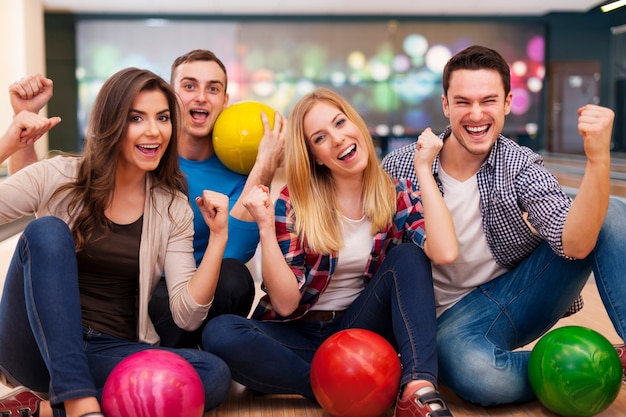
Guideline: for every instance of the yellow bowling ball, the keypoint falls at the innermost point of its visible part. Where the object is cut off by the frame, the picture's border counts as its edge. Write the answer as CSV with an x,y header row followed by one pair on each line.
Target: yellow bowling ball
x,y
237,133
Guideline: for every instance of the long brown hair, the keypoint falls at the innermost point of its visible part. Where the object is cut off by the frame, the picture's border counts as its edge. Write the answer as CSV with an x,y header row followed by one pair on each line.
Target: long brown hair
x,y
311,187
91,192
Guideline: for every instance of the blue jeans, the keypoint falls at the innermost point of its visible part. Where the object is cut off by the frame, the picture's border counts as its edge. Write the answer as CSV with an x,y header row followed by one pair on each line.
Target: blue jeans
x,y
275,357
476,337
44,345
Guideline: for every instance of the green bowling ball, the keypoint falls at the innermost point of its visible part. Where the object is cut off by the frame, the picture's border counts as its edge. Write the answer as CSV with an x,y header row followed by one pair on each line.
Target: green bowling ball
x,y
575,371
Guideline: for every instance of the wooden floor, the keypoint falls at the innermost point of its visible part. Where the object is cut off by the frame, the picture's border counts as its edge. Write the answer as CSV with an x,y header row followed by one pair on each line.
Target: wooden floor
x,y
242,403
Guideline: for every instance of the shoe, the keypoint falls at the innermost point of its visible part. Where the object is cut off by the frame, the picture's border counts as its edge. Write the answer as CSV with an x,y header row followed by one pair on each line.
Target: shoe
x,y
621,352
425,402
19,402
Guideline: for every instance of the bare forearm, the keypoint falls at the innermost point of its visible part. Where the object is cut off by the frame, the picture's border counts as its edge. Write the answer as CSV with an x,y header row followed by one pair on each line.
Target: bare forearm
x,y
204,282
22,158
441,244
278,278
261,174
588,210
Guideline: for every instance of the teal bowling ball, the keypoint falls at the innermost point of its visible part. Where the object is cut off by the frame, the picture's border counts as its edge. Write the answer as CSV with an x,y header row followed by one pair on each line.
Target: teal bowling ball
x,y
575,371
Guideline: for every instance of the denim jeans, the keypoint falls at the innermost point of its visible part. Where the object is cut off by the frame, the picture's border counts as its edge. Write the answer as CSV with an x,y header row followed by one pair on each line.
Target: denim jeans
x,y
275,357
234,295
44,345
477,337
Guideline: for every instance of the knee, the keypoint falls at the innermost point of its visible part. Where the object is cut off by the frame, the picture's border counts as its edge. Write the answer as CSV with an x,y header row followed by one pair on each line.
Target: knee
x,y
615,220
485,377
222,333
48,231
48,224
408,252
235,278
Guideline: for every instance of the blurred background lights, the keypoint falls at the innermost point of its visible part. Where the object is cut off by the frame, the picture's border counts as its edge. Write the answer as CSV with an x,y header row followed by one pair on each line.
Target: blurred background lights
x,y
521,101
575,81
401,63
416,85
263,83
536,48
436,58
415,45
534,84
379,70
532,128
382,130
356,60
304,87
398,130
519,68
338,78
393,76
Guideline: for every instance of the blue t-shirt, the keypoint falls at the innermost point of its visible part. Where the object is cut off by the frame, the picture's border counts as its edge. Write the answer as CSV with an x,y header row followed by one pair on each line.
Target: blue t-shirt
x,y
211,174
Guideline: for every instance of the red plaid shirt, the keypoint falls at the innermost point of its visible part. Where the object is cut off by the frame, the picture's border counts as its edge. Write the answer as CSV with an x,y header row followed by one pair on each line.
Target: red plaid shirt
x,y
313,271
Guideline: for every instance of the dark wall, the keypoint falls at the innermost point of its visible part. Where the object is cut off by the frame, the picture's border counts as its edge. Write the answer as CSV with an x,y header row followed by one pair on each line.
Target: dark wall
x,y
585,36
570,37
61,68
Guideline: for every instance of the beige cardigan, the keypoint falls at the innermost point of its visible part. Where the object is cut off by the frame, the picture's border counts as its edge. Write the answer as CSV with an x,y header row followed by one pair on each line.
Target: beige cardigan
x,y
165,248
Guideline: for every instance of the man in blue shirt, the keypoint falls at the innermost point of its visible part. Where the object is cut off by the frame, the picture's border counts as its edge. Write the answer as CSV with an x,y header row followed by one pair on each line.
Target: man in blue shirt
x,y
526,249
200,80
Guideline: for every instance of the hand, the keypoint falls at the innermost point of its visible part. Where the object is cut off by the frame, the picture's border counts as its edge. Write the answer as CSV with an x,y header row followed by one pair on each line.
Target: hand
x,y
26,128
272,145
259,204
595,125
214,209
428,147
30,93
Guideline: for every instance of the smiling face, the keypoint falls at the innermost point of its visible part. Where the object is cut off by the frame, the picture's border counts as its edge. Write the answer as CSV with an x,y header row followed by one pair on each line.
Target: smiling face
x,y
476,105
334,140
148,133
201,89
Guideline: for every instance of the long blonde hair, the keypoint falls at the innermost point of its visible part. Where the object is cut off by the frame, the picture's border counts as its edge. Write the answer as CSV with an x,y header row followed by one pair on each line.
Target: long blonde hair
x,y
311,187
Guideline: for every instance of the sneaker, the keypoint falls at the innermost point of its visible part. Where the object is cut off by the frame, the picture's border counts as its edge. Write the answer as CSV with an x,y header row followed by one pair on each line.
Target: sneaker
x,y
19,402
425,402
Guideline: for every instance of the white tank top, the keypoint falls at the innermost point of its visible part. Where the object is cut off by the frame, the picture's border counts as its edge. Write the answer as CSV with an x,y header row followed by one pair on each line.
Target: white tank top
x,y
475,265
347,281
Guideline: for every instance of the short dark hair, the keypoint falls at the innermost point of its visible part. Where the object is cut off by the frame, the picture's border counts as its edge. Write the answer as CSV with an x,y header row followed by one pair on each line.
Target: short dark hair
x,y
478,57
197,55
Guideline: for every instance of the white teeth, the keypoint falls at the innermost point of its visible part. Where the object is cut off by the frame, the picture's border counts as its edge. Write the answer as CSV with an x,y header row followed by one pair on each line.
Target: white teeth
x,y
476,129
347,151
149,146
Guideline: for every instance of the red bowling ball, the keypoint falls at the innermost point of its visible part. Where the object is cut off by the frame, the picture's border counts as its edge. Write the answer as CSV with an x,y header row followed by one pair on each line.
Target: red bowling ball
x,y
355,373
153,383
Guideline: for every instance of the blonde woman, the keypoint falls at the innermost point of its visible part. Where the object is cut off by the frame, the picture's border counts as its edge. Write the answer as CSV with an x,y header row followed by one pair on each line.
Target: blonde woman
x,y
334,258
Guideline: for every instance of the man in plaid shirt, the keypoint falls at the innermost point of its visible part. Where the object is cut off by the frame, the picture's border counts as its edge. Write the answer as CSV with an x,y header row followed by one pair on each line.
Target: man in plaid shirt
x,y
526,249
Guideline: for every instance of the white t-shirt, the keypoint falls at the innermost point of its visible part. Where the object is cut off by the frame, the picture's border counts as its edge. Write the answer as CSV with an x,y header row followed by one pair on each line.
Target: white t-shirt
x,y
347,280
475,264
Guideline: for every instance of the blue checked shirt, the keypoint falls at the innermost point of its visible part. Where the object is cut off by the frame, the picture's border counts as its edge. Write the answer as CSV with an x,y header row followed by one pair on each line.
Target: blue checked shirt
x,y
512,181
